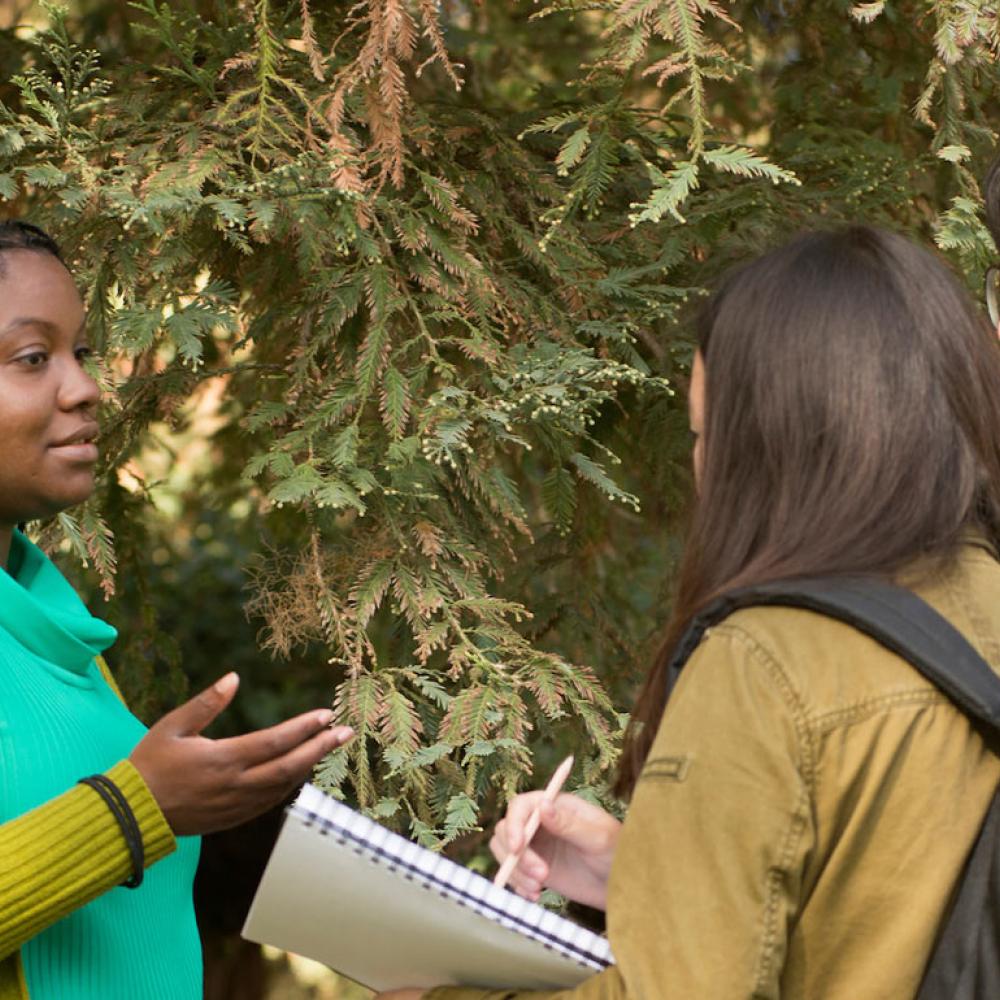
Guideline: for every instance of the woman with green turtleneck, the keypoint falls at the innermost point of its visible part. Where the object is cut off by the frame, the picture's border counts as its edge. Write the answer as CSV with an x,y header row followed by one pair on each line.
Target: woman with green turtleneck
x,y
95,877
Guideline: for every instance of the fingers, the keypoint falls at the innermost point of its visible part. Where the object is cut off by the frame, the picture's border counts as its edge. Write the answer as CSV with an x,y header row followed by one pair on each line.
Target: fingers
x,y
556,819
526,888
530,866
194,715
293,767
204,785
257,789
527,885
519,814
269,744
532,871
585,827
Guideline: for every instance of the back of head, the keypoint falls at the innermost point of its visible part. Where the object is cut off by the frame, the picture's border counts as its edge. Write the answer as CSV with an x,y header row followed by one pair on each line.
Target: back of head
x,y
853,412
852,425
991,201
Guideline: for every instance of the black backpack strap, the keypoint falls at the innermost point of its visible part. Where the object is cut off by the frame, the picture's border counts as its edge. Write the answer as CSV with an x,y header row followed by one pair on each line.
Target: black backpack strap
x,y
891,615
965,962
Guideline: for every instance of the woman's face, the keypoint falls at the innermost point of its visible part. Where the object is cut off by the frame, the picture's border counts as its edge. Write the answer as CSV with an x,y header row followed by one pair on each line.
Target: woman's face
x,y
48,402
696,415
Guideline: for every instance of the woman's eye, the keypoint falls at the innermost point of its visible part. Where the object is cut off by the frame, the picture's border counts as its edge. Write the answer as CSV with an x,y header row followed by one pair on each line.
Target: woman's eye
x,y
82,353
33,360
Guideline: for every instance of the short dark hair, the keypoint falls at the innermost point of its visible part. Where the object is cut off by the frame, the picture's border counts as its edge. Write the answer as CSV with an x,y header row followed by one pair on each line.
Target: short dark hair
x,y
991,201
18,235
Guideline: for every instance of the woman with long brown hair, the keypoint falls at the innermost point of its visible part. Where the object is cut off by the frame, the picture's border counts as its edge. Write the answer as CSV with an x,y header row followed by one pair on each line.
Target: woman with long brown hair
x,y
802,806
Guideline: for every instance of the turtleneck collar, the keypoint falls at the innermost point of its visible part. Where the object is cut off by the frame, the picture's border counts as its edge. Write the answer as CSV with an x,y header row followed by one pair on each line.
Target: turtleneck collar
x,y
41,610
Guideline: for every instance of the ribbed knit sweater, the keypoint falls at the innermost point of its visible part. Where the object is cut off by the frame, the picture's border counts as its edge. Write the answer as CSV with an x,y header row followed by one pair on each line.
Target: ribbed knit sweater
x,y
68,930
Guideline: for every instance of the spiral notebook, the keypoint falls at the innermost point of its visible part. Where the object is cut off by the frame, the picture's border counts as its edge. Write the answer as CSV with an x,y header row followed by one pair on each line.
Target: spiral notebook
x,y
381,910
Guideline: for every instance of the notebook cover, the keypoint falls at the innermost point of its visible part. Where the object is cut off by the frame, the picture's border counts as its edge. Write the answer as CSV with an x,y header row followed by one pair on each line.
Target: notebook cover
x,y
323,899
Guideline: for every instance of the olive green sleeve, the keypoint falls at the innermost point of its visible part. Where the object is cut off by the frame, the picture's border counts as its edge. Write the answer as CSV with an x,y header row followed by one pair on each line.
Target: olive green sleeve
x,y
707,873
63,854
110,678
709,870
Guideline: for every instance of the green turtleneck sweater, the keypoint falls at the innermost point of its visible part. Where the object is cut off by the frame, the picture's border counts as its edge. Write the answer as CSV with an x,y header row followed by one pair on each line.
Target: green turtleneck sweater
x,y
68,930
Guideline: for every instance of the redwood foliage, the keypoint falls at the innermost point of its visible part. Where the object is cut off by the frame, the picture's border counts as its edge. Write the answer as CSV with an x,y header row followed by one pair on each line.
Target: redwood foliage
x,y
427,266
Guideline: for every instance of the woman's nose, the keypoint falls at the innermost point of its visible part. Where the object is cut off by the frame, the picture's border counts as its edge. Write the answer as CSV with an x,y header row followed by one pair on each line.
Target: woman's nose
x,y
78,388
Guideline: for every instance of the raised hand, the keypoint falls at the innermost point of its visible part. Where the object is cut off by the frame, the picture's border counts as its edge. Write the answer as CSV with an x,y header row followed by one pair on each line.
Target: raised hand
x,y
571,852
203,785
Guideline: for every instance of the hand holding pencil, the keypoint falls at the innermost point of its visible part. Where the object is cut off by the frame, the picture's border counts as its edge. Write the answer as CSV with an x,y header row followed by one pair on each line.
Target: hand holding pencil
x,y
552,789
550,839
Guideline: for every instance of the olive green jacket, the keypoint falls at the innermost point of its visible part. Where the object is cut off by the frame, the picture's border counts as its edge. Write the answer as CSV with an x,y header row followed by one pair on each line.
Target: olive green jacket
x,y
803,816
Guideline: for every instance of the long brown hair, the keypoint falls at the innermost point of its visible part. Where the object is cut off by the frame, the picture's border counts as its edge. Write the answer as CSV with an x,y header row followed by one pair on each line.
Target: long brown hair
x,y
991,201
852,425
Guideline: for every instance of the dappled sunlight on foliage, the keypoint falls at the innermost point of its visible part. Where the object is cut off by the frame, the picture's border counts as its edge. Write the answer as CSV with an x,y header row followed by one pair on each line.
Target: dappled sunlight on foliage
x,y
437,262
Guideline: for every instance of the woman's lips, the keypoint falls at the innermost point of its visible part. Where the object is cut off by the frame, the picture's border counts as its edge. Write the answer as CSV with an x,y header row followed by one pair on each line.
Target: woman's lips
x,y
79,447
81,451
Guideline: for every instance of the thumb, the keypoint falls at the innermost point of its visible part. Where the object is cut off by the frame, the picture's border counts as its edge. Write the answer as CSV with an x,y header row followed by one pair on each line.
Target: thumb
x,y
553,819
563,822
194,715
